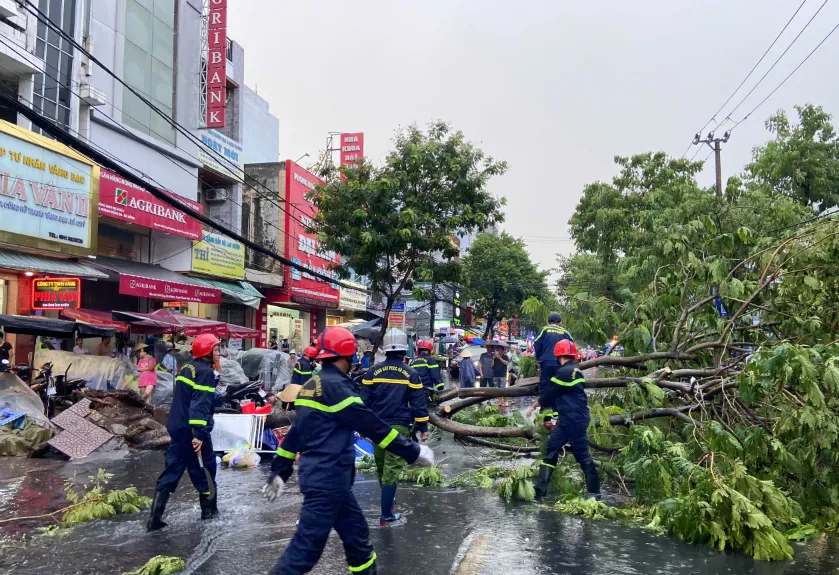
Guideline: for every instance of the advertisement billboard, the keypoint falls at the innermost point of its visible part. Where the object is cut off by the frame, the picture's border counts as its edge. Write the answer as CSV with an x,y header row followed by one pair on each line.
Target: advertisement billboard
x,y
355,300
168,290
217,144
352,148
302,247
216,63
122,200
49,194
56,293
218,255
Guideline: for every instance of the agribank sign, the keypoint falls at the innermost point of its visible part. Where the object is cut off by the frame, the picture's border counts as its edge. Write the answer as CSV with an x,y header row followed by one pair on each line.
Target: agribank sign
x,y
48,194
216,63
122,200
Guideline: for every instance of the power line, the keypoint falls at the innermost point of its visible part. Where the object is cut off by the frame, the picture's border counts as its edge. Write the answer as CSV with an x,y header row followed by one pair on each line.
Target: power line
x,y
178,127
784,81
714,116
778,60
117,125
65,138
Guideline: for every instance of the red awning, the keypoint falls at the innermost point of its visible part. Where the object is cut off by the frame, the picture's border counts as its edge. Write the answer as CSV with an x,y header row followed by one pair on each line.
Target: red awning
x,y
95,317
239,332
164,318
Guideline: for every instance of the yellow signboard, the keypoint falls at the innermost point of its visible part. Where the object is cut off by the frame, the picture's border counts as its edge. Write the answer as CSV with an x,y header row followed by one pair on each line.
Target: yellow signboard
x,y
218,255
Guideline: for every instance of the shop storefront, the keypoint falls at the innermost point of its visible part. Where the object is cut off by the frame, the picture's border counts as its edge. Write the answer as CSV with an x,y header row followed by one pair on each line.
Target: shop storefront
x,y
48,209
352,305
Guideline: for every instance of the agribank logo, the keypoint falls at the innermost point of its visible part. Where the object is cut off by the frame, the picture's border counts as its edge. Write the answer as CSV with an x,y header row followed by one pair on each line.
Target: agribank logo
x,y
122,197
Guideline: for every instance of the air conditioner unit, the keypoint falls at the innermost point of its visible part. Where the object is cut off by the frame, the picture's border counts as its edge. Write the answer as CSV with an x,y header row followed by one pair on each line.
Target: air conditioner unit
x,y
215,195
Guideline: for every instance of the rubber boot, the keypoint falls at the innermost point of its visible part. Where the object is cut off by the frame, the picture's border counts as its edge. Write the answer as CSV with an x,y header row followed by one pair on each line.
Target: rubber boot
x,y
389,515
214,508
592,482
371,570
545,472
158,506
206,505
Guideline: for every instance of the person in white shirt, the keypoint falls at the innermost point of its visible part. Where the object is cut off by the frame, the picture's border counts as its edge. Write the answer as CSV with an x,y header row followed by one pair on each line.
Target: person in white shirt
x,y
80,349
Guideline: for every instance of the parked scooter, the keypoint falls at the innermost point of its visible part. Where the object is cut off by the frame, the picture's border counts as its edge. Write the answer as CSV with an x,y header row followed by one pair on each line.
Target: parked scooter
x,y
55,390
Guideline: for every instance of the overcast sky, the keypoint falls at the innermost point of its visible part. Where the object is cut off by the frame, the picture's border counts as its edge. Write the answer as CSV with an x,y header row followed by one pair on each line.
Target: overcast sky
x,y
555,88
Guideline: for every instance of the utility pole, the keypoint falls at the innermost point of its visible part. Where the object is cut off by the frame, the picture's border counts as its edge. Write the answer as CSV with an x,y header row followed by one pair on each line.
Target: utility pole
x,y
433,309
714,144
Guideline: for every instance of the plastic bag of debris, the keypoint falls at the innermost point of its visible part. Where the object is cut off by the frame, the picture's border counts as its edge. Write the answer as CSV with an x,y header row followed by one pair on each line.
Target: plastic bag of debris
x,y
16,396
231,374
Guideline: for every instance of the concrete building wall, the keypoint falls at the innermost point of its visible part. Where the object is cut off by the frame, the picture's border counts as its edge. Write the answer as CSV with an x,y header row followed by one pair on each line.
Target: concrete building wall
x,y
262,129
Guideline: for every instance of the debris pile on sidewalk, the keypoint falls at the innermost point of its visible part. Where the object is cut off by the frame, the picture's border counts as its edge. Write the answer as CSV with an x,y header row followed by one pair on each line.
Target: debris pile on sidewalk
x,y
124,414
23,426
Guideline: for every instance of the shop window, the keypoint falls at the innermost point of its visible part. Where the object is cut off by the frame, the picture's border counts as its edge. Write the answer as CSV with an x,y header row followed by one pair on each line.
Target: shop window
x,y
149,66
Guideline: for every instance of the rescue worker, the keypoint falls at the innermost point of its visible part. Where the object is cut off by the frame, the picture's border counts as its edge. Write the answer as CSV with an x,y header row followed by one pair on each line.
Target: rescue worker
x,y
394,392
544,345
566,396
302,372
190,425
428,368
328,411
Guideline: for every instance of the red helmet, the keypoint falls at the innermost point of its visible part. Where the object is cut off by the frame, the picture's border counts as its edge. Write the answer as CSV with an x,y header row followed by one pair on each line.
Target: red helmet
x,y
336,342
565,347
310,352
426,344
203,345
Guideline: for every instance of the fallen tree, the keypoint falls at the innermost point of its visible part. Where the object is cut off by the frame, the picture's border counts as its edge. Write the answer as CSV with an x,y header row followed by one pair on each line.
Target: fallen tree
x,y
723,411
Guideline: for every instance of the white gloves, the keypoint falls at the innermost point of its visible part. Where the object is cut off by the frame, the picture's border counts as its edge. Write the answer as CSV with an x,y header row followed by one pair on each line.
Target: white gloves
x,y
426,457
274,488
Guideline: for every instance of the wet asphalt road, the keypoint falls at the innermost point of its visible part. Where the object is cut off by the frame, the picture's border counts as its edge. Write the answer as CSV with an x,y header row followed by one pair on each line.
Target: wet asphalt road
x,y
448,531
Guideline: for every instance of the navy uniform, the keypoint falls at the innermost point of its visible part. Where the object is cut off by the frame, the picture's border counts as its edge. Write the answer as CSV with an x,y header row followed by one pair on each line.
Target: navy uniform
x,y
394,392
543,348
328,411
566,396
190,417
428,369
302,371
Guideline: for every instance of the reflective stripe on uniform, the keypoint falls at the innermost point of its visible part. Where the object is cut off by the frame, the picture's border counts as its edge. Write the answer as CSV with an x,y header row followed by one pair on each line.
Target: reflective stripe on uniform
x,y
197,422
388,439
386,380
558,330
287,454
416,365
363,567
302,372
440,385
194,385
327,408
547,465
567,383
436,366
421,419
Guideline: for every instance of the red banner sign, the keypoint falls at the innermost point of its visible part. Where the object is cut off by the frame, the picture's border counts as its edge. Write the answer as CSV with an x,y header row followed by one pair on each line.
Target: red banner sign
x,y
217,64
302,247
162,289
56,293
352,148
122,200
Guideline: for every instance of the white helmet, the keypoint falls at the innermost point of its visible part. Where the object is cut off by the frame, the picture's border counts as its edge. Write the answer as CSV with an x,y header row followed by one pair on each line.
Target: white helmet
x,y
395,340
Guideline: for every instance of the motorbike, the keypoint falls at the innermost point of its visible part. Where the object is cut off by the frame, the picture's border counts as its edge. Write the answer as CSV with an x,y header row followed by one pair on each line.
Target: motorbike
x,y
230,401
55,390
21,370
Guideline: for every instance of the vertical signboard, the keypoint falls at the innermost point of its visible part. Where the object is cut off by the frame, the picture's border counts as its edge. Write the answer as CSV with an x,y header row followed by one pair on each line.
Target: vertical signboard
x,y
216,63
352,148
302,247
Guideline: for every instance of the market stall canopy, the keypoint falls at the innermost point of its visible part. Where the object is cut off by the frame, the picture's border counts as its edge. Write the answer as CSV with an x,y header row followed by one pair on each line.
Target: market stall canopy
x,y
52,266
146,280
167,320
37,325
95,317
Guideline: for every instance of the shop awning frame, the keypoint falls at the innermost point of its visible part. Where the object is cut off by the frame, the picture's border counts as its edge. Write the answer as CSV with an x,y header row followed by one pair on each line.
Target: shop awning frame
x,y
164,320
95,317
46,265
160,282
47,327
241,291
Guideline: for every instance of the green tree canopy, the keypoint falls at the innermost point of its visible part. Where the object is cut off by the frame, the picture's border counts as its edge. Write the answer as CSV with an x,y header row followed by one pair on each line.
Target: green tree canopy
x,y
395,223
498,276
802,162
